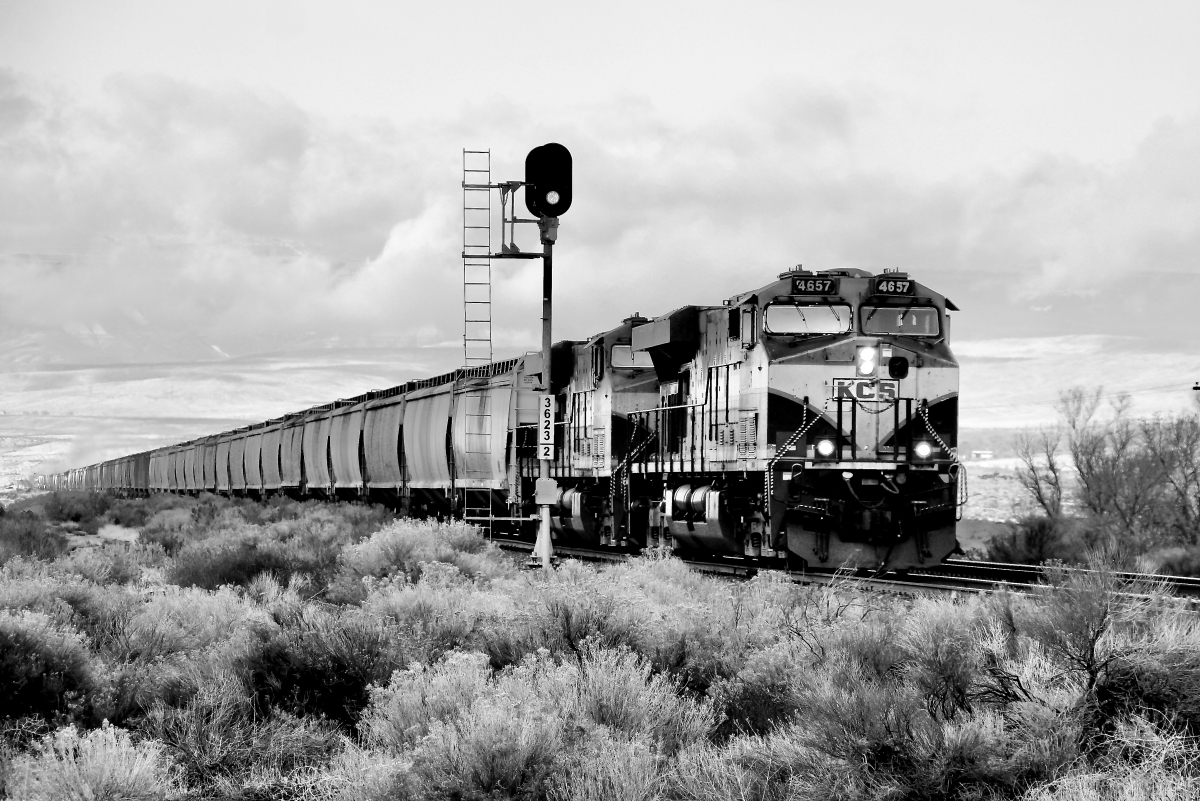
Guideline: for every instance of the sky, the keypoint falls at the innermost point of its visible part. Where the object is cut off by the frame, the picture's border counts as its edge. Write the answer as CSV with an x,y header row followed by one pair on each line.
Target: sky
x,y
191,182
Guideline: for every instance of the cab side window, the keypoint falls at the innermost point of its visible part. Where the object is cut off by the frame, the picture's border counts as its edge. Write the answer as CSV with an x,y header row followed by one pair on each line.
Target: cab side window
x,y
746,326
597,362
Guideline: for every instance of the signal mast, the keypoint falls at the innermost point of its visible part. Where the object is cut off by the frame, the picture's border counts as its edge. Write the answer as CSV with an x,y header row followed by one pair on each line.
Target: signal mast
x,y
547,187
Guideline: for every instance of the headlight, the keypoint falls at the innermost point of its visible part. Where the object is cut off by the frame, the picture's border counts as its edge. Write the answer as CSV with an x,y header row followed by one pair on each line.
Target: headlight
x,y
825,448
922,450
868,360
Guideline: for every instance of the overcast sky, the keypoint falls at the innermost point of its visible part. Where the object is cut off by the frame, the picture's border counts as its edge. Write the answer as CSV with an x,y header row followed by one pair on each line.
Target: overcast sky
x,y
249,176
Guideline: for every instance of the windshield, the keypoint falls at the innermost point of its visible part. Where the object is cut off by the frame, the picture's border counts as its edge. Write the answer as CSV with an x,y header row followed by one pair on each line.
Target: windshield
x,y
910,321
625,356
788,319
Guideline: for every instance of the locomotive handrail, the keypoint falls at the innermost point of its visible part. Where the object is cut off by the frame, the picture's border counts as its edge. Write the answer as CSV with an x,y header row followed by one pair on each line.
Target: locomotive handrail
x,y
667,408
663,455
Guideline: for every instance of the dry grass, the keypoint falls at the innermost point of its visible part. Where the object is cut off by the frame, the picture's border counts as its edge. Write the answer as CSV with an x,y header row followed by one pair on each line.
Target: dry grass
x,y
101,765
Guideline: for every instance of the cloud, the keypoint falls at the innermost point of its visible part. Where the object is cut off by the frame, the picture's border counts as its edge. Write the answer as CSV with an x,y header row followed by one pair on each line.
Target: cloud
x,y
198,221
1067,226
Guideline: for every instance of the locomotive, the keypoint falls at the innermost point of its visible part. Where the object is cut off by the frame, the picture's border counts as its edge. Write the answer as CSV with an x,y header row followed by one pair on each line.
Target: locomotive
x,y
811,422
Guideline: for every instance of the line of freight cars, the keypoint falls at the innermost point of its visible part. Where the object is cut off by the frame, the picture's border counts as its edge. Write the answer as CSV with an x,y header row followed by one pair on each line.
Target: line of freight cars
x,y
813,419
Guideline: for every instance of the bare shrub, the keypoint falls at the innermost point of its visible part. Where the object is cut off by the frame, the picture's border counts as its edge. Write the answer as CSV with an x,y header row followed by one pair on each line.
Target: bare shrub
x,y
1040,743
575,614
83,508
938,639
1180,560
472,733
129,513
218,740
210,734
321,663
45,668
232,559
101,765
1073,618
607,768
223,547
685,624
358,774
284,744
706,773
179,621
406,546
760,697
1034,540
617,690
25,534
1144,761
498,748
863,724
444,610
404,711
29,585
168,528
110,563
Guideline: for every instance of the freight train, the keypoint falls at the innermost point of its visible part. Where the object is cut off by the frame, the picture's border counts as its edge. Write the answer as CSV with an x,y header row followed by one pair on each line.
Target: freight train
x,y
811,422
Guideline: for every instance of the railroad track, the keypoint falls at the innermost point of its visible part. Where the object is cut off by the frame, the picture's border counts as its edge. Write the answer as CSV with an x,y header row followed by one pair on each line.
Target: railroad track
x,y
953,575
1183,586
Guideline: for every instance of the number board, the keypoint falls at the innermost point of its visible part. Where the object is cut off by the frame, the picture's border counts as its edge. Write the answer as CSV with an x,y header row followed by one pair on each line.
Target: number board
x,y
894,286
546,427
814,286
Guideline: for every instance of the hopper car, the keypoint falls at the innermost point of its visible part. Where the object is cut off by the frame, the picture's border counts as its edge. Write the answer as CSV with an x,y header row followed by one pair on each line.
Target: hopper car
x,y
811,422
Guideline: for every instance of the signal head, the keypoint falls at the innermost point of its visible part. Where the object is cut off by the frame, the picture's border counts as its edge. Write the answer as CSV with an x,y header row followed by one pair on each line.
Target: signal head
x,y
548,180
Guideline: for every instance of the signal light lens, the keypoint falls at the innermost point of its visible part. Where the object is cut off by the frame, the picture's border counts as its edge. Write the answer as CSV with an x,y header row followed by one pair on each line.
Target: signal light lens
x,y
868,360
552,198
922,450
825,448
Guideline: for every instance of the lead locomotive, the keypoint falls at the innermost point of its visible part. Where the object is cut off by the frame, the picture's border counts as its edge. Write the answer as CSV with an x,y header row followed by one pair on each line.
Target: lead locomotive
x,y
813,420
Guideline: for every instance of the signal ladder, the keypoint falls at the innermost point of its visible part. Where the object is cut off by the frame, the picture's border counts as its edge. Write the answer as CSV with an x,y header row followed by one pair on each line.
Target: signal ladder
x,y
477,257
477,418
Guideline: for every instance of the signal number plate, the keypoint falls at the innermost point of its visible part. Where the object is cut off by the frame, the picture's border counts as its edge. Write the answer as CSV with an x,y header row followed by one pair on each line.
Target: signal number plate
x,y
866,389
814,286
893,286
546,427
